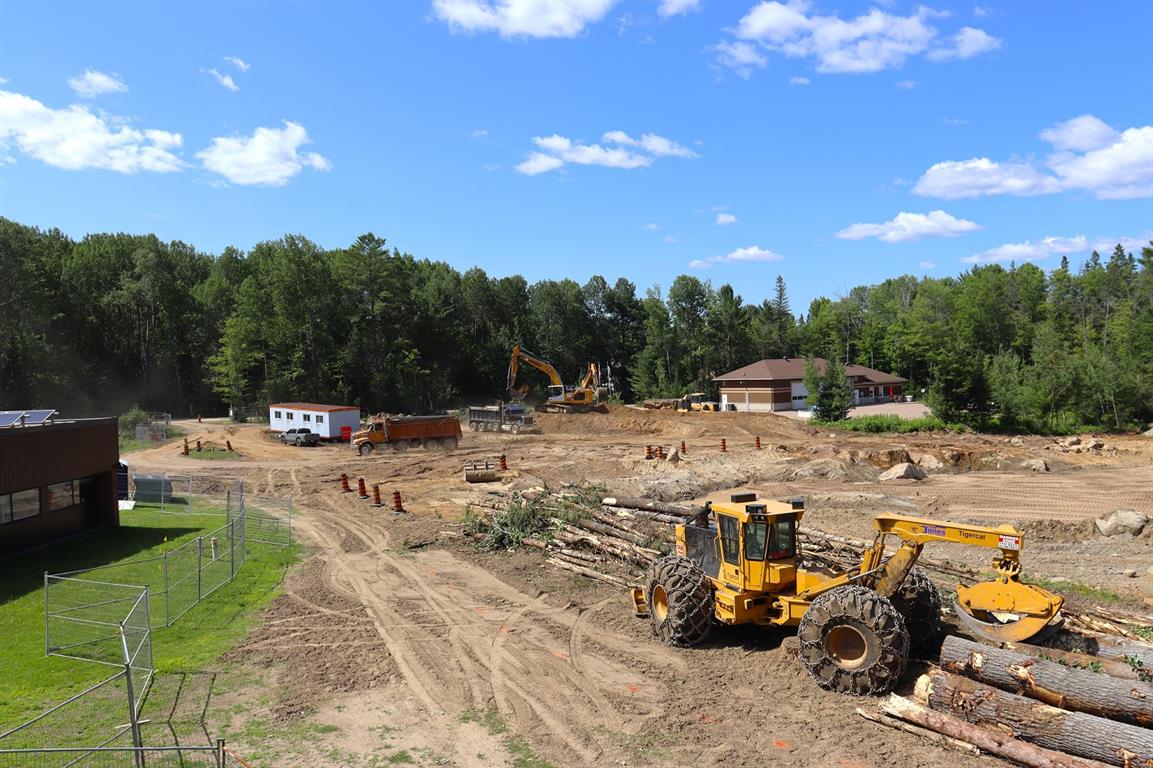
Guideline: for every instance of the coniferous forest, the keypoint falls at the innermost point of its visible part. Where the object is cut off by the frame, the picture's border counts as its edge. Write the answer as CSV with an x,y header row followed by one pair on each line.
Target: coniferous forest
x,y
97,325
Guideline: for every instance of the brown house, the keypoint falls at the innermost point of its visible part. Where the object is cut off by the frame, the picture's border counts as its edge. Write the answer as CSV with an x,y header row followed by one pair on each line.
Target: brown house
x,y
779,385
57,479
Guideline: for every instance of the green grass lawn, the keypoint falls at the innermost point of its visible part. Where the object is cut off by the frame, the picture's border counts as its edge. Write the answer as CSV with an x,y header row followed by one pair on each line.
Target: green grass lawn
x,y
212,454
32,682
128,444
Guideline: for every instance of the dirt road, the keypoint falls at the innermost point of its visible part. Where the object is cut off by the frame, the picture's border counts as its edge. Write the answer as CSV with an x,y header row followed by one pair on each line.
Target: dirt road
x,y
396,637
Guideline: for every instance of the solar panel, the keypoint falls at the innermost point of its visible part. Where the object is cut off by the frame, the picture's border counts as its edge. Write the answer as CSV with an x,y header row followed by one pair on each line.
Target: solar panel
x,y
8,418
38,417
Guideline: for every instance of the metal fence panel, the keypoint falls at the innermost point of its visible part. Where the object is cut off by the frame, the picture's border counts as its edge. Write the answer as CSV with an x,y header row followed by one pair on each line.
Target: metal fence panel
x,y
116,757
82,617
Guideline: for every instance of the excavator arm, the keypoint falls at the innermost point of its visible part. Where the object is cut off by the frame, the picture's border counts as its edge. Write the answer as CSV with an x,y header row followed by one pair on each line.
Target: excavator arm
x,y
523,356
1003,609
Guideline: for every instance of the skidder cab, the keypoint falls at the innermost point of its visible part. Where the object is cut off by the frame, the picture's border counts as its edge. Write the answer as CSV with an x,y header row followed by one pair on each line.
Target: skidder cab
x,y
738,563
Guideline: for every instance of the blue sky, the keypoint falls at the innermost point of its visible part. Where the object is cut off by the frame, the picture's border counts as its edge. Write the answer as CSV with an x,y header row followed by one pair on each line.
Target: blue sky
x,y
833,143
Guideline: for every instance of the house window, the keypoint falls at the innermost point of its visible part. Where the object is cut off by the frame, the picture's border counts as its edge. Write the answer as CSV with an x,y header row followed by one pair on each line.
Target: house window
x,y
276,414
62,495
19,505
307,417
319,419
288,416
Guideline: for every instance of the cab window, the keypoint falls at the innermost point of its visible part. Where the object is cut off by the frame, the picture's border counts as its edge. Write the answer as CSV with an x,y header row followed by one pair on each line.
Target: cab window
x,y
756,535
783,539
730,539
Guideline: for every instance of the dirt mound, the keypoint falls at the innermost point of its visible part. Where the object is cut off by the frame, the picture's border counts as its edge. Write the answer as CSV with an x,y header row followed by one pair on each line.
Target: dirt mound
x,y
832,470
664,423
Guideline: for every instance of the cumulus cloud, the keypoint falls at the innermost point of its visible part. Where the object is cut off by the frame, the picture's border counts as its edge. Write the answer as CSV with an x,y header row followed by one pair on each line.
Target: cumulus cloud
x,y
1091,156
556,151
871,42
225,80
906,85
724,219
739,56
669,8
752,253
799,81
93,83
910,227
239,63
521,18
269,157
928,265
966,44
651,227
1030,251
75,138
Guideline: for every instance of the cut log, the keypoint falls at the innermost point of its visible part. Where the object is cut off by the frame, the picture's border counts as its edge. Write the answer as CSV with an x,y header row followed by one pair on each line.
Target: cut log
x,y
1111,667
937,738
1108,647
992,740
608,530
589,572
659,517
1075,733
1079,690
652,506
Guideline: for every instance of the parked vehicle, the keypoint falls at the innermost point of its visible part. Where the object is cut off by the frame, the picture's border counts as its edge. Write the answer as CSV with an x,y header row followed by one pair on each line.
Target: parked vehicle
x,y
510,417
300,436
403,432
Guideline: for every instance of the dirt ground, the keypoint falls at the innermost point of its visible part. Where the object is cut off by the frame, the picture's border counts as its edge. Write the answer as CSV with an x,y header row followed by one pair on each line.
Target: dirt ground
x,y
396,642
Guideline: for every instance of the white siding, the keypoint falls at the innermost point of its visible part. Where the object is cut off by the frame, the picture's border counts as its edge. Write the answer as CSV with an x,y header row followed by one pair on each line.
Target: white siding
x,y
328,428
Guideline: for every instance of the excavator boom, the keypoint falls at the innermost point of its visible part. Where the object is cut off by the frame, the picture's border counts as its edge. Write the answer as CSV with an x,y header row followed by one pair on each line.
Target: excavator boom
x,y
582,397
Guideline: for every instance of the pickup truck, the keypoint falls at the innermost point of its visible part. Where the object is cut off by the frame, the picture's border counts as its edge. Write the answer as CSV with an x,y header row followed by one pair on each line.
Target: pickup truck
x,y
300,436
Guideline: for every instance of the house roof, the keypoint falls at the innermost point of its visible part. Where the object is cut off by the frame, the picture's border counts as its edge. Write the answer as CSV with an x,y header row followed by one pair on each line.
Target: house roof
x,y
793,369
313,407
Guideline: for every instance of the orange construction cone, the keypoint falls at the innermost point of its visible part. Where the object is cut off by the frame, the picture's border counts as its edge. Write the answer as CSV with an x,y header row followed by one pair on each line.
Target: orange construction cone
x,y
723,446
757,443
344,484
683,449
361,489
503,463
376,495
397,505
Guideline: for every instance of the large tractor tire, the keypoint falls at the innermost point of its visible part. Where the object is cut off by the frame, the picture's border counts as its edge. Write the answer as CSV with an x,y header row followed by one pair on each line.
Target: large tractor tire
x,y
680,600
364,449
854,641
919,602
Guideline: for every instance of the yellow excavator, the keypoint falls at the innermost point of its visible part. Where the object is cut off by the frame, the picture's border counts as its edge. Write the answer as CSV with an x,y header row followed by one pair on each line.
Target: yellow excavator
x,y
738,563
562,398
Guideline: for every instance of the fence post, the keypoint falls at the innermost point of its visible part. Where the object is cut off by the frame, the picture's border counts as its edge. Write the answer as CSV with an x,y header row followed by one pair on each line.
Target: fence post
x,y
188,506
136,740
232,541
47,639
220,753
290,522
167,609
199,562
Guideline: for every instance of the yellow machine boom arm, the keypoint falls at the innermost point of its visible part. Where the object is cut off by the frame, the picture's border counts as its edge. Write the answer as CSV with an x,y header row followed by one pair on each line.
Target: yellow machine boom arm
x,y
520,355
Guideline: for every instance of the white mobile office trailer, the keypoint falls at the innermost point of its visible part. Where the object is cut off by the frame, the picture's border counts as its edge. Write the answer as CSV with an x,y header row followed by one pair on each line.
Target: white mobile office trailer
x,y
331,422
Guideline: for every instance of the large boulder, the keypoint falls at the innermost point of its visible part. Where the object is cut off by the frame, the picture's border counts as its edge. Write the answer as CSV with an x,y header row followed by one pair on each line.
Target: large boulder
x,y
1122,521
902,471
926,461
1035,465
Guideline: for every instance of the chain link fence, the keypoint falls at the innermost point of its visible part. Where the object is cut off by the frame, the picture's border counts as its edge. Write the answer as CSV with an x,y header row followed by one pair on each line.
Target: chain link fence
x,y
120,757
188,494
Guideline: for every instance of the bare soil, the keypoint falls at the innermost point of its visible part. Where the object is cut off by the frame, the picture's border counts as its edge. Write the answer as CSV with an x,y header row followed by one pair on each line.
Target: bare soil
x,y
395,636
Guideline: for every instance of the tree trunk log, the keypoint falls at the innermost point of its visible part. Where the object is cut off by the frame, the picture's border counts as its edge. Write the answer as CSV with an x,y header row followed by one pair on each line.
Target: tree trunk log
x,y
995,741
1079,690
644,514
1105,647
1075,733
652,506
589,572
937,738
1111,667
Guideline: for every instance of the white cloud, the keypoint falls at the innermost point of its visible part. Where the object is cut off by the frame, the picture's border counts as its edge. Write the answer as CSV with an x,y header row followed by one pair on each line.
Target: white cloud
x,y
799,81
522,18
669,239
268,157
906,85
1030,251
966,44
555,152
651,227
479,133
676,7
872,42
1081,134
75,138
928,265
224,80
656,145
954,121
1091,156
752,253
980,11
910,227
93,83
3,81
740,57
724,219
239,63
490,167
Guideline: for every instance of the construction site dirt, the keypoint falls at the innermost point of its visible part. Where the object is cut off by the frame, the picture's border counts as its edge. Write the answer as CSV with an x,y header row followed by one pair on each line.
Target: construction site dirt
x,y
395,635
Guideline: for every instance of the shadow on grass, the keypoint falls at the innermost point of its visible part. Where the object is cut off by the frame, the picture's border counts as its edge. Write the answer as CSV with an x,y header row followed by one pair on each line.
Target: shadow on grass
x,y
24,573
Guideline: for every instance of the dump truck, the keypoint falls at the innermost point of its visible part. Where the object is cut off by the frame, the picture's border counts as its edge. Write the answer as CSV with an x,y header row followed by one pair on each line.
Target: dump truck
x,y
739,563
508,417
403,432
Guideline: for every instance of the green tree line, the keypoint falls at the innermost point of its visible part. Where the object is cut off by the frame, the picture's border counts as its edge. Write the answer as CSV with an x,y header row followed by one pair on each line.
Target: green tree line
x,y
113,320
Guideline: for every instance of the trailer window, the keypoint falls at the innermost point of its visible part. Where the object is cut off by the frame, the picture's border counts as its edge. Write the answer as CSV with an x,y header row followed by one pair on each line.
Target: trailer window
x,y
308,417
319,418
730,539
782,539
276,414
755,536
